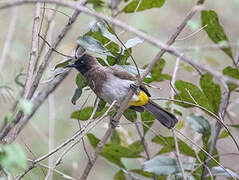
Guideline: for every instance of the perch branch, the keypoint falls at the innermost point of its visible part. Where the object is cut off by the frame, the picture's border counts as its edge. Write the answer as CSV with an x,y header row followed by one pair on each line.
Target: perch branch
x,y
126,100
153,40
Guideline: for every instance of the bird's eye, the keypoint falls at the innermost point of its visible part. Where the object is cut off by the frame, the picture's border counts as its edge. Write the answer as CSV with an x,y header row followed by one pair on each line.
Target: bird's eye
x,y
81,62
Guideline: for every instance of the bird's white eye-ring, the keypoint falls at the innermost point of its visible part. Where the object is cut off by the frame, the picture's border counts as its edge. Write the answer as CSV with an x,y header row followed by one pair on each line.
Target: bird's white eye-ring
x,y
82,62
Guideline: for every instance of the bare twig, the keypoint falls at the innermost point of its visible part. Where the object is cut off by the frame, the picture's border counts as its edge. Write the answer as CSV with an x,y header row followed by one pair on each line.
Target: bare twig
x,y
56,171
128,97
9,36
84,129
218,119
191,141
222,112
51,135
48,44
19,117
184,38
34,50
174,135
37,101
136,9
76,142
139,33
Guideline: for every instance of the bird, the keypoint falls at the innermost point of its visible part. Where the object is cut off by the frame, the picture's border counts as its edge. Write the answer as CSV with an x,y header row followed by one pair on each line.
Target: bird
x,y
112,83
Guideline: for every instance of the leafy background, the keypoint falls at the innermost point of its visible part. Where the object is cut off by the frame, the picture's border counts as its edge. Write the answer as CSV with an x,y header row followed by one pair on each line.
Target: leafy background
x,y
155,22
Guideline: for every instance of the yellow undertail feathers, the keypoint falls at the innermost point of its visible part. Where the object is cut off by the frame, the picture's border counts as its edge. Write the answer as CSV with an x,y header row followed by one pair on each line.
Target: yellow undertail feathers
x,y
143,99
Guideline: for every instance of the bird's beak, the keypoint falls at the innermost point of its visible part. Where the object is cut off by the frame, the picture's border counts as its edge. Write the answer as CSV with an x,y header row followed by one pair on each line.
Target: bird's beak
x,y
71,65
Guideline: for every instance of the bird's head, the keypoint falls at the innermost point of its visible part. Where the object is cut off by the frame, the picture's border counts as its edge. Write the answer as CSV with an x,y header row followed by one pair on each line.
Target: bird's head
x,y
83,63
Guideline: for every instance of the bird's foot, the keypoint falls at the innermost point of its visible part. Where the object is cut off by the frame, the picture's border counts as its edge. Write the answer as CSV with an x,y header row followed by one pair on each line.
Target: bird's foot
x,y
113,122
134,87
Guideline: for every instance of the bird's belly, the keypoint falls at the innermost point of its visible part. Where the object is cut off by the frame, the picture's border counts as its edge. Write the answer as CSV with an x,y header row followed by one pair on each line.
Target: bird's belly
x,y
116,89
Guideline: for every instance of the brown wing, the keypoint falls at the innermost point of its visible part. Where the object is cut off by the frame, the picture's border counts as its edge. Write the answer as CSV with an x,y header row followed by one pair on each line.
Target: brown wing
x,y
123,74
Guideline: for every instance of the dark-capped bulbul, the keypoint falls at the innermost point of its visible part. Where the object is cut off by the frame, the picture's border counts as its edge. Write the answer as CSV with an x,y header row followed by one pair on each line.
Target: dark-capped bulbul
x,y
113,83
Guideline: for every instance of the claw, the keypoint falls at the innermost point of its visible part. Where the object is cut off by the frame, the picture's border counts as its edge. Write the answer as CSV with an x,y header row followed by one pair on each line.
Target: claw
x,y
134,86
113,122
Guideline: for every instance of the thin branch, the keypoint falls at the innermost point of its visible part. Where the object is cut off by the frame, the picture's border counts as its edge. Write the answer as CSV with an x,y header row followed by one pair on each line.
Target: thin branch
x,y
222,112
191,141
84,129
19,117
153,40
128,97
70,147
48,44
56,171
51,135
194,33
136,9
173,132
34,49
218,119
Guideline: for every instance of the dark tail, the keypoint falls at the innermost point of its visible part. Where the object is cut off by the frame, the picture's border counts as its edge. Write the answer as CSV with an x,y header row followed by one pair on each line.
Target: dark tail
x,y
165,117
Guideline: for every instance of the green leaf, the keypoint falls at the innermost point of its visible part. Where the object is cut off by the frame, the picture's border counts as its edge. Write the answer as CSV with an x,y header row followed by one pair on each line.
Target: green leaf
x,y
234,125
145,4
102,61
101,105
133,70
93,140
194,91
133,42
81,83
148,174
169,145
113,152
63,64
156,73
223,134
119,58
115,138
179,125
111,46
119,175
137,147
26,106
80,79
83,114
105,32
211,90
89,43
232,72
201,125
214,29
130,115
77,95
219,171
148,119
203,156
163,165
12,156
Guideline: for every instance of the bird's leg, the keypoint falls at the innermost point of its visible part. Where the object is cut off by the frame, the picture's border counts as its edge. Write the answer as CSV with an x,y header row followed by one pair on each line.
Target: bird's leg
x,y
113,122
135,88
